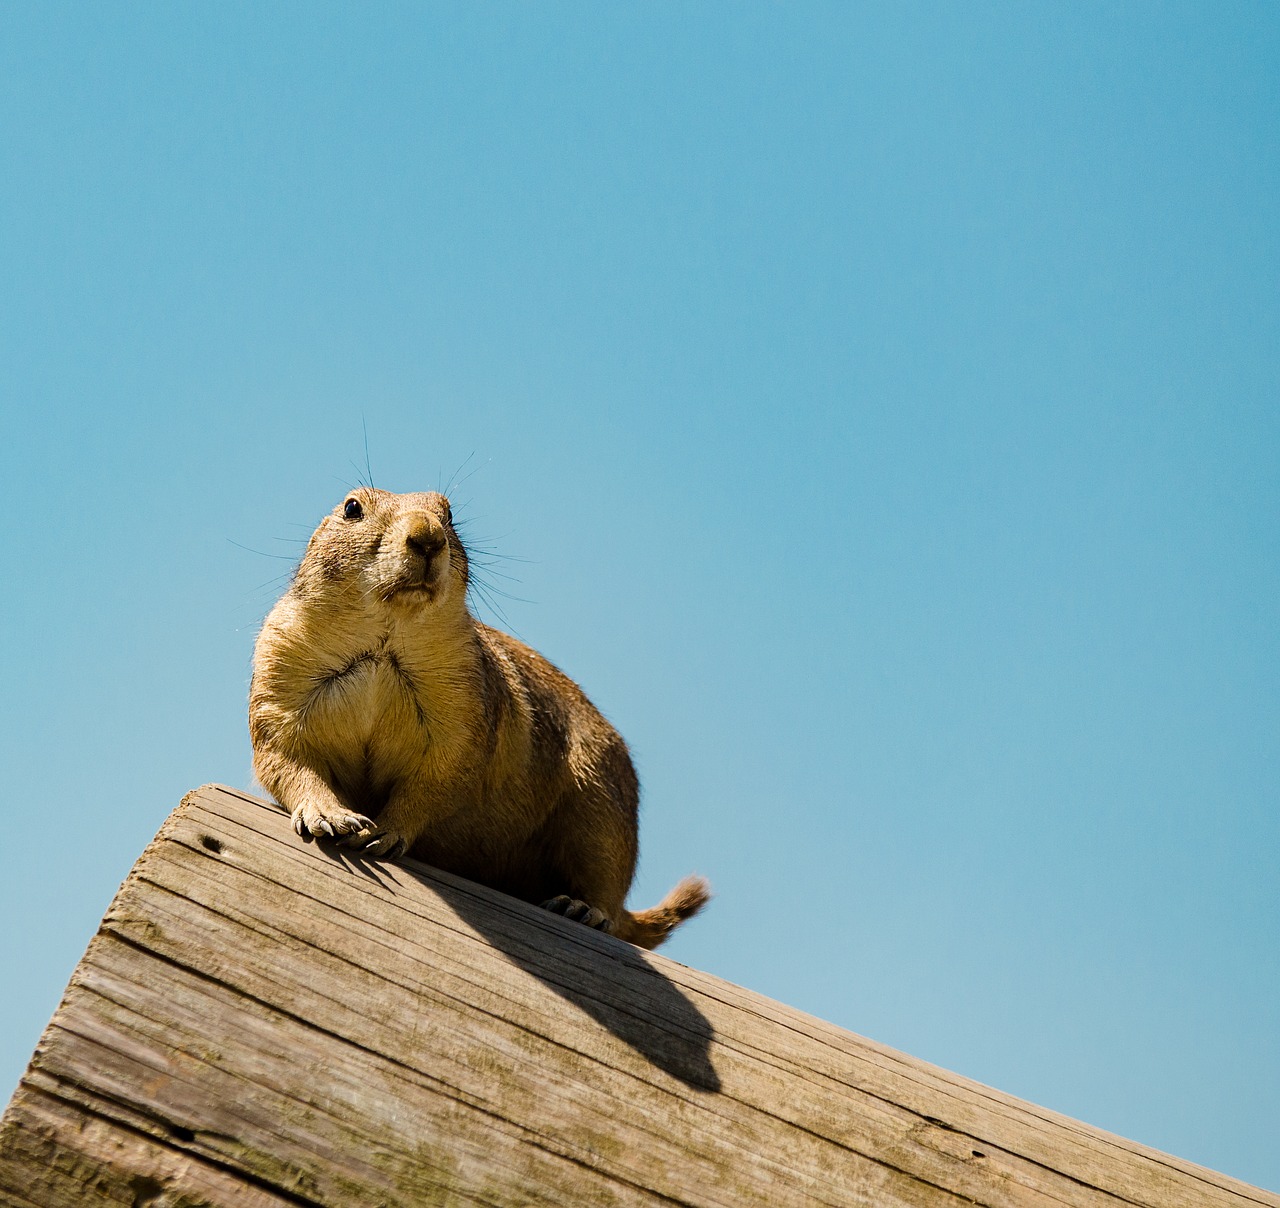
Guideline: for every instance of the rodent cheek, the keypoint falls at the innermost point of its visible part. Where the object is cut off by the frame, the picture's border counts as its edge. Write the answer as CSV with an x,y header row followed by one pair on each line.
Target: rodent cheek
x,y
439,572
385,566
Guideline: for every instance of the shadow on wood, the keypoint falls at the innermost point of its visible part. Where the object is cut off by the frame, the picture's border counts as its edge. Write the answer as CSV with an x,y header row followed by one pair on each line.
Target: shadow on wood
x,y
643,1008
260,1022
640,1005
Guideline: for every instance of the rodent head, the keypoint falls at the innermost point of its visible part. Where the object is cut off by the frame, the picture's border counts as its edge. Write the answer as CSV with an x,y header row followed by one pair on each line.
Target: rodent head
x,y
399,549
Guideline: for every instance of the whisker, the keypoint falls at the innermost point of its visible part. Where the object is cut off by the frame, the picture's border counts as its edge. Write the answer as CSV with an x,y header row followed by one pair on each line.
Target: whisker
x,y
467,478
488,570
448,490
368,466
493,606
491,551
456,483
261,552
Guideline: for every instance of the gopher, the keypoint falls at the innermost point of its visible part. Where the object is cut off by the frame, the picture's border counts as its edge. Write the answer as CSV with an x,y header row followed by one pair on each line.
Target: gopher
x,y
387,718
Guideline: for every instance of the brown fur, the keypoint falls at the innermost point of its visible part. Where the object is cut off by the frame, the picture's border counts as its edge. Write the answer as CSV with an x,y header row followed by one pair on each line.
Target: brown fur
x,y
385,716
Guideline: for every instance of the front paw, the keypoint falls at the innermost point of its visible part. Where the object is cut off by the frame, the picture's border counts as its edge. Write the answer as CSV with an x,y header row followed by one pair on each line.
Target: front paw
x,y
376,843
310,820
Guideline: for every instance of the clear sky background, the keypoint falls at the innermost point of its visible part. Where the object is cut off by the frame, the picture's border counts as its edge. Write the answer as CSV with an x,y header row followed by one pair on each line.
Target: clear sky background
x,y
877,405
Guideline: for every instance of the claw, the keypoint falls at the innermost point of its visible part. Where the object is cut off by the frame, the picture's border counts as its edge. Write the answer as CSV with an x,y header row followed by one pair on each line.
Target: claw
x,y
578,912
384,847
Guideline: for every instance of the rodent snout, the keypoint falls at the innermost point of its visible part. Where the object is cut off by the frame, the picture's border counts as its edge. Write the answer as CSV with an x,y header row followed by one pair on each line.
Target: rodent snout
x,y
425,536
412,559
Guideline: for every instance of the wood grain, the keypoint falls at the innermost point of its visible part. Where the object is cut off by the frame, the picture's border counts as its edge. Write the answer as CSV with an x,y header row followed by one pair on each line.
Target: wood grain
x,y
260,1021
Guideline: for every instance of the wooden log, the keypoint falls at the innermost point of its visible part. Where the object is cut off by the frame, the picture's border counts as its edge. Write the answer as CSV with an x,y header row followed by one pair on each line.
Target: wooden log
x,y
264,1021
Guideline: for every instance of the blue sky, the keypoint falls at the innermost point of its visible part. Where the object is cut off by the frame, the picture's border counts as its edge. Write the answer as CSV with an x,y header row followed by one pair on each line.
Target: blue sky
x,y
875,407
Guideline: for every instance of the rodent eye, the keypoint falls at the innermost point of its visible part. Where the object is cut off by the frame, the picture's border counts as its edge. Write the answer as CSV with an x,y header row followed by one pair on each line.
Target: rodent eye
x,y
352,509
448,513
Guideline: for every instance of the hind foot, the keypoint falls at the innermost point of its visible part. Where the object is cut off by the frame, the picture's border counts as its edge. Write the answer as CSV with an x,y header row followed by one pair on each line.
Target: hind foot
x,y
580,912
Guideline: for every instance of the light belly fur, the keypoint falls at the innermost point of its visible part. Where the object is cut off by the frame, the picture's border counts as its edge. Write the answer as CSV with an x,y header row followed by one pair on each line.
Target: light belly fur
x,y
363,721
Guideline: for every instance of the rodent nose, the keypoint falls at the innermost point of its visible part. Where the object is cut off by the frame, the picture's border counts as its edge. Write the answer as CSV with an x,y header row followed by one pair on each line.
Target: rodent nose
x,y
425,537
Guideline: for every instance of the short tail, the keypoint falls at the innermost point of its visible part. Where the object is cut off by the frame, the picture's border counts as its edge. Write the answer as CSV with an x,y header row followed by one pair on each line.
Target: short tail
x,y
648,928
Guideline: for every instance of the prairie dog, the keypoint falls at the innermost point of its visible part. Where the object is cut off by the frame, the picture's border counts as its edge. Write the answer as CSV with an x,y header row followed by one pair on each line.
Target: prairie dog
x,y
386,717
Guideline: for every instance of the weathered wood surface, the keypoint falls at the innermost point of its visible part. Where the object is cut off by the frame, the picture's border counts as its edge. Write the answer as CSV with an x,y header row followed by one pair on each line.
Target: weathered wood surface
x,y
260,1022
